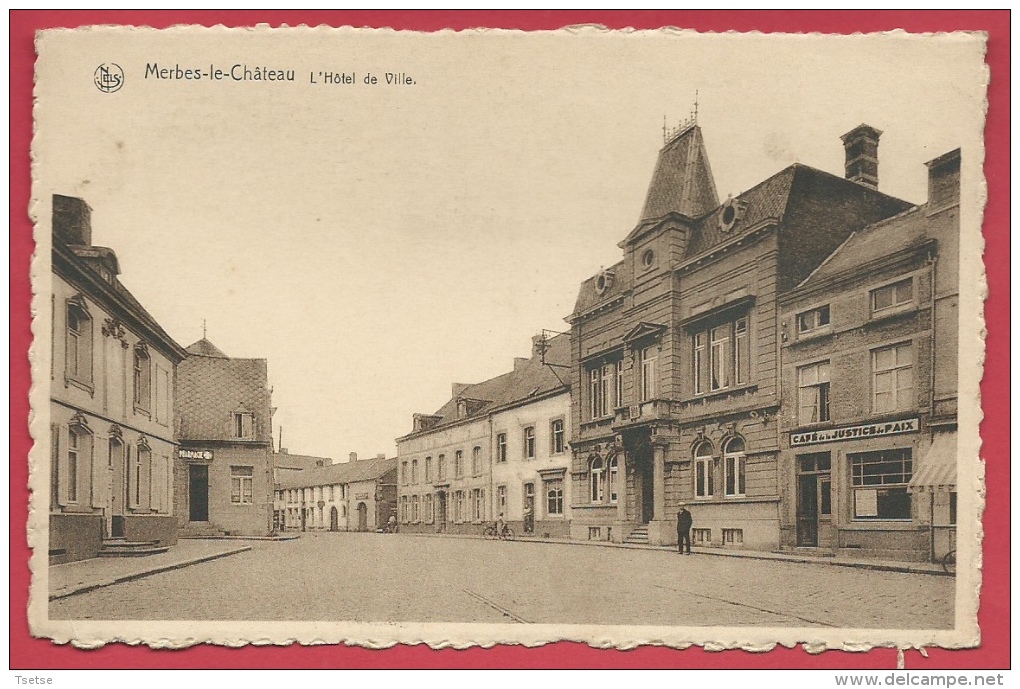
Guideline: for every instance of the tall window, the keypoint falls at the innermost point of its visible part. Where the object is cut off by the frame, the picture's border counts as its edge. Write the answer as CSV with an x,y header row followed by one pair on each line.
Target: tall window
x,y
73,465
78,346
597,481
458,463
721,357
892,296
426,508
442,467
501,447
618,385
892,378
612,474
880,484
241,485
477,504
476,461
460,511
704,485
554,496
428,470
598,391
529,442
405,473
414,471
243,426
813,382
649,357
414,509
734,467
142,378
556,433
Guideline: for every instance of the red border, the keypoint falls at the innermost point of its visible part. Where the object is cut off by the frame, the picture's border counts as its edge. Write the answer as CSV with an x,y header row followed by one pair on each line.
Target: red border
x,y
29,653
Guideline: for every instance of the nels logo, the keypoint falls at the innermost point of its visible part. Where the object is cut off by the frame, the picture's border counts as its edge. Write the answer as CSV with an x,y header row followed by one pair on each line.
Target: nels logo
x,y
108,77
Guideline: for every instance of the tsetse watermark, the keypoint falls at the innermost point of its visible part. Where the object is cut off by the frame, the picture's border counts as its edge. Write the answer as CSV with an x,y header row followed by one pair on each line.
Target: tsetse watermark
x,y
915,680
32,679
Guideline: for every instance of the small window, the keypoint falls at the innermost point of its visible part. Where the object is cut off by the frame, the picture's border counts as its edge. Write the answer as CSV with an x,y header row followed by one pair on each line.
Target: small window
x,y
813,319
556,432
529,442
733,536
648,258
594,533
241,485
701,536
244,426
892,296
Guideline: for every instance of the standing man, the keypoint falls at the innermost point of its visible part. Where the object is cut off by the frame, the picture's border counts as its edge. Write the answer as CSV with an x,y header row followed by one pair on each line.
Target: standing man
x,y
683,529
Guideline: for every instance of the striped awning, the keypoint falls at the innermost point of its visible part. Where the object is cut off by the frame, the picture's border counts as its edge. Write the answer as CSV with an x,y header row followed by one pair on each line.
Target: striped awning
x,y
938,469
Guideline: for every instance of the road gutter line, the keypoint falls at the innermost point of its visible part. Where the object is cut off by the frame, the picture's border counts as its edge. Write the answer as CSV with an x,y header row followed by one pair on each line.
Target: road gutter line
x,y
745,605
497,607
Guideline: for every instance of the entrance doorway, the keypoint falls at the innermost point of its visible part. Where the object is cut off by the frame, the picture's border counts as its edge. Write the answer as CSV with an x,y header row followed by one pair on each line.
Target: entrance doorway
x,y
814,500
118,490
362,517
441,511
334,519
198,492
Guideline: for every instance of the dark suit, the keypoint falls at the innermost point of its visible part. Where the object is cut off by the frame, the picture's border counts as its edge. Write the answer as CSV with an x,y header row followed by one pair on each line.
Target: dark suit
x,y
683,529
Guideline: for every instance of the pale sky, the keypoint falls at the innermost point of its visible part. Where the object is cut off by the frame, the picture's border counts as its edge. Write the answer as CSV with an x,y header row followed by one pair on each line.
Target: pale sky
x,y
377,243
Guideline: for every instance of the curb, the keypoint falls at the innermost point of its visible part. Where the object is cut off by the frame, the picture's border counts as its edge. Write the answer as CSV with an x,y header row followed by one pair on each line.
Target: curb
x,y
86,588
906,568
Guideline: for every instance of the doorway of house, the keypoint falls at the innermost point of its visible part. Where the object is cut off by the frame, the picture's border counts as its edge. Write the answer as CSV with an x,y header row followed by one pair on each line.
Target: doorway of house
x,y
441,511
334,519
362,517
198,492
814,500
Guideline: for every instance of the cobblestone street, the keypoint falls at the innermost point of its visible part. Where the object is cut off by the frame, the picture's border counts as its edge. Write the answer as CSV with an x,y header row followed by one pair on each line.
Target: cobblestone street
x,y
372,577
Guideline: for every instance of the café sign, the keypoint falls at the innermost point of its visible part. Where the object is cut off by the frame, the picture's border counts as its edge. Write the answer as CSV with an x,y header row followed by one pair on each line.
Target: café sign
x,y
863,431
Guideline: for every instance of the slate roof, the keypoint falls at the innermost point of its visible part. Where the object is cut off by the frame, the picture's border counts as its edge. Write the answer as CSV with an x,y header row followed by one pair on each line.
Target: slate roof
x,y
903,231
682,182
347,472
211,388
588,297
287,460
206,348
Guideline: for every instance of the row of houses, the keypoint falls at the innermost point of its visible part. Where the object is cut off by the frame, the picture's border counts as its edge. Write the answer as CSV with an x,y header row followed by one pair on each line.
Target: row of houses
x,y
784,362
150,441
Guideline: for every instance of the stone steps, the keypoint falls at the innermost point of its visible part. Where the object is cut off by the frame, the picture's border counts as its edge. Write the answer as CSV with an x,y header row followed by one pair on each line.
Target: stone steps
x,y
119,547
639,536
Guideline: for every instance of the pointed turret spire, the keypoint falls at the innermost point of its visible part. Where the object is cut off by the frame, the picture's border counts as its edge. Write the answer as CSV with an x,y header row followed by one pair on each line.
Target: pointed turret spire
x,y
682,182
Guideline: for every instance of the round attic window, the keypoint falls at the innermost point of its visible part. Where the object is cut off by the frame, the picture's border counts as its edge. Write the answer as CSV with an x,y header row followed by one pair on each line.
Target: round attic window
x,y
731,212
648,258
603,281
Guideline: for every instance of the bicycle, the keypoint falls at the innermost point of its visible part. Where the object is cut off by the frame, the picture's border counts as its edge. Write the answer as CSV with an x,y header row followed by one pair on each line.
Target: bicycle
x,y
949,562
491,532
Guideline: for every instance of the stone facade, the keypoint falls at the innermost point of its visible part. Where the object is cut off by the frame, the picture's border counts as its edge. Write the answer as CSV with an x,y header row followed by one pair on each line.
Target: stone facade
x,y
359,495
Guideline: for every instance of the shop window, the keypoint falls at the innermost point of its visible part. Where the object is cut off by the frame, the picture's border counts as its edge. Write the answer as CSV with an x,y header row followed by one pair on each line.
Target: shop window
x,y
142,378
241,485
815,319
529,442
476,461
701,536
243,425
890,297
556,433
721,357
501,447
649,362
596,470
704,484
733,536
554,496
813,382
78,343
892,378
879,482
734,467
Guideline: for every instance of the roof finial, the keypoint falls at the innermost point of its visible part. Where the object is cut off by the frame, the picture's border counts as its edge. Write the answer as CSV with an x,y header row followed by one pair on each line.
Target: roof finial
x,y
695,106
665,135
203,328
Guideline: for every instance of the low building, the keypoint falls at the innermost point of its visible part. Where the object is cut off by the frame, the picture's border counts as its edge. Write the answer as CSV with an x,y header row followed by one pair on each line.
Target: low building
x,y
358,495
224,468
869,357
499,447
111,403
285,464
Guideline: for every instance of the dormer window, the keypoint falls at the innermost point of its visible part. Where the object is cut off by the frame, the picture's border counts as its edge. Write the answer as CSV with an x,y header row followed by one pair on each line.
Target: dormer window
x,y
603,281
243,427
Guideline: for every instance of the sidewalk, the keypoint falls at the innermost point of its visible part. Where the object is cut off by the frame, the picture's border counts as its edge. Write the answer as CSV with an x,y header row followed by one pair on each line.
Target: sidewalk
x,y
87,575
859,563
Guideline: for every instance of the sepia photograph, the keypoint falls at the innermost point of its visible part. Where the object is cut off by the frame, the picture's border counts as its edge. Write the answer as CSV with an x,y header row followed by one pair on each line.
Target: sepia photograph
x,y
368,336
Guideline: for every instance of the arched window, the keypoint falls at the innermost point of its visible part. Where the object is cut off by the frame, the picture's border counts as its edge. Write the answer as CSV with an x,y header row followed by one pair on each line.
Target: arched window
x,y
734,463
476,461
612,474
704,485
78,347
597,469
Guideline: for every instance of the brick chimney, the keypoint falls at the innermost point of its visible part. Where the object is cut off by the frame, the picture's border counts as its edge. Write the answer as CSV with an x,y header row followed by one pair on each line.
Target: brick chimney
x,y
861,144
353,456
944,180
72,220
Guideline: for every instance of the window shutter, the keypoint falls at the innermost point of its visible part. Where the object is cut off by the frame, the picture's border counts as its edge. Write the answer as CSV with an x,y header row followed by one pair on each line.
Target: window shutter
x,y
59,466
100,475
